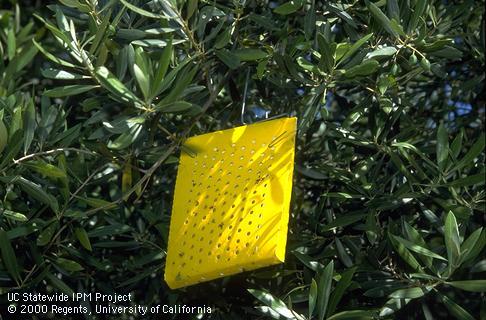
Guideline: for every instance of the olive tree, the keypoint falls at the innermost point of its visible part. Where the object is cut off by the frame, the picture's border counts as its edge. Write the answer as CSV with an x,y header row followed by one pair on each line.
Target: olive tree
x,y
97,98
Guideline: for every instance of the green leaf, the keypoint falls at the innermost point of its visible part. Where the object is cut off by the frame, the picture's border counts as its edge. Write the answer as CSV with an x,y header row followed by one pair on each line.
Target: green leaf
x,y
127,176
175,107
183,82
141,275
23,230
306,65
367,67
312,297
61,285
228,58
310,21
29,124
83,238
452,241
354,315
448,52
342,254
101,33
169,79
355,47
418,11
109,230
8,256
338,292
416,248
455,309
343,221
289,7
324,290
404,254
111,83
473,245
142,80
46,169
36,192
52,57
3,136
98,203
442,149
393,305
223,39
397,27
410,293
163,65
274,303
69,90
381,18
11,44
456,145
381,52
69,265
141,11
13,215
46,235
469,285
61,74
475,150
382,289
308,261
20,61
328,53
478,178
249,54
310,172
416,238
393,9
191,8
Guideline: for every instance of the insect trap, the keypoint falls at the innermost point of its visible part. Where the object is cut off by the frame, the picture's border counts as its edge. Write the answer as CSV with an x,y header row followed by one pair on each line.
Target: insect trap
x,y
231,202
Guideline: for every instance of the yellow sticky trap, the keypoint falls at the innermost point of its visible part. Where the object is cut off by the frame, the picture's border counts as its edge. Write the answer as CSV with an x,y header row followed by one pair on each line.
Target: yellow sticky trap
x,y
231,202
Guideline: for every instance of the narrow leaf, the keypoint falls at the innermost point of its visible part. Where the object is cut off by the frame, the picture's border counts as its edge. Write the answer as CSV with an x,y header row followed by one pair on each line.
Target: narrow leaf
x,y
8,256
69,90
324,290
419,249
68,265
274,303
456,310
111,83
381,18
442,149
249,54
289,7
475,150
355,47
228,58
83,238
61,74
162,67
367,67
312,297
141,11
410,293
29,124
341,287
470,285
452,240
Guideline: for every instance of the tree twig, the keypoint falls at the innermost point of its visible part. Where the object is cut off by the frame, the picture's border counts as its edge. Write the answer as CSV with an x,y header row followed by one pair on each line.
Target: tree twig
x,y
44,153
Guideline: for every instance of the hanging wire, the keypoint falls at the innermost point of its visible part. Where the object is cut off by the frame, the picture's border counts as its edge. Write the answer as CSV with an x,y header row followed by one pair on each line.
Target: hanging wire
x,y
243,105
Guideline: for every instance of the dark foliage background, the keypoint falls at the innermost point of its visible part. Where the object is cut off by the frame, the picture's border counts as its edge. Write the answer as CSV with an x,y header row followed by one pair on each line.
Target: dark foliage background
x,y
388,204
